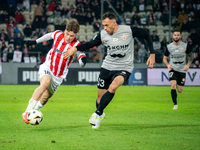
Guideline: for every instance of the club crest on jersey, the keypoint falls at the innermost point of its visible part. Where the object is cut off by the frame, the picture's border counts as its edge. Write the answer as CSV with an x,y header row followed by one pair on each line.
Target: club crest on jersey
x,y
124,37
115,39
182,50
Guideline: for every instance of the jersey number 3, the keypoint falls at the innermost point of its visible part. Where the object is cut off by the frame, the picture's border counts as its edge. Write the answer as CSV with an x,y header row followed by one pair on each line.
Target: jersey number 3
x,y
101,82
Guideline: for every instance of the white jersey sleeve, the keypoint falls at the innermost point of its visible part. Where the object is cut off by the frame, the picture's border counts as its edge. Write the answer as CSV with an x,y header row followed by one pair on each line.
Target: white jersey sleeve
x,y
45,37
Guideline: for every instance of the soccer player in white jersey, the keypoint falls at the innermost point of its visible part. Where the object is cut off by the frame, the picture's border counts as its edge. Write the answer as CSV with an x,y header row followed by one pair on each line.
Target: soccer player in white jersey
x,y
55,68
177,51
118,63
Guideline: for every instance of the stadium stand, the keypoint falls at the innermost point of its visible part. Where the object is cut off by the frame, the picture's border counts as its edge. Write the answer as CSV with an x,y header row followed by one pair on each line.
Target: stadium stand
x,y
87,31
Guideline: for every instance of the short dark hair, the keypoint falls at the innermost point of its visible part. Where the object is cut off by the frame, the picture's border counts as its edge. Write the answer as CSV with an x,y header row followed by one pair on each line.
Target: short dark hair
x,y
73,26
109,15
176,30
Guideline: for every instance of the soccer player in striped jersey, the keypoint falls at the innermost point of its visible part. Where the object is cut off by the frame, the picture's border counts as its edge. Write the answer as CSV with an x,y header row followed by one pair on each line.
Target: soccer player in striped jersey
x,y
55,68
118,64
177,51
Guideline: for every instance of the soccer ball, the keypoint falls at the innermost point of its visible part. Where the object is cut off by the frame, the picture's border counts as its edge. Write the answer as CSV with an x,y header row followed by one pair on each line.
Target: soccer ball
x,y
34,117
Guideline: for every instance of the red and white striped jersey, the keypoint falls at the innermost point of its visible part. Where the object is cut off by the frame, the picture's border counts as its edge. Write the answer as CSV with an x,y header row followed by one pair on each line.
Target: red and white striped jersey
x,y
54,59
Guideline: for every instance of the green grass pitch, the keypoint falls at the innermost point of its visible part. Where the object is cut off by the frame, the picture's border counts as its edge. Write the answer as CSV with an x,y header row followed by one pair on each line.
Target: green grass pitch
x,y
138,118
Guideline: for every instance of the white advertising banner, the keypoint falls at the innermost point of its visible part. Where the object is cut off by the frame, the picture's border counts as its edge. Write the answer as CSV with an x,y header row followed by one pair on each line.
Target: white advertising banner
x,y
159,76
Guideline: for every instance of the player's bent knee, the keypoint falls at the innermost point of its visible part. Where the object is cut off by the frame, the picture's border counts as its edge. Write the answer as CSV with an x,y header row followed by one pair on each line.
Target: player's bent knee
x,y
173,87
45,84
180,91
113,88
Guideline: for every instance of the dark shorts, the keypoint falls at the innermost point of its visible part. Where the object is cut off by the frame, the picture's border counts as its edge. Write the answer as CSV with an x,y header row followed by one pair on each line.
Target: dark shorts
x,y
106,77
178,76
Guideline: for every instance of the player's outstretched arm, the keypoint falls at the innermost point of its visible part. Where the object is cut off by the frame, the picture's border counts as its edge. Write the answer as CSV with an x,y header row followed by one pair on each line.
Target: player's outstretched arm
x,y
96,41
151,61
69,52
141,33
45,37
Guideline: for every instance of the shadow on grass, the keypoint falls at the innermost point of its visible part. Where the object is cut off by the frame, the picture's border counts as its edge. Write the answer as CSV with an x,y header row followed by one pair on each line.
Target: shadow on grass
x,y
64,127
142,126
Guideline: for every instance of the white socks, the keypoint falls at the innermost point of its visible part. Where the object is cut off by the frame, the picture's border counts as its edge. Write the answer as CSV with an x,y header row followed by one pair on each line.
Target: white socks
x,y
31,104
39,105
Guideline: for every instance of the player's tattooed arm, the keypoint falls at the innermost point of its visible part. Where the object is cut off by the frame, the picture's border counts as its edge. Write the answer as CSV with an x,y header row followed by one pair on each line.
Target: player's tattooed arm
x,y
190,57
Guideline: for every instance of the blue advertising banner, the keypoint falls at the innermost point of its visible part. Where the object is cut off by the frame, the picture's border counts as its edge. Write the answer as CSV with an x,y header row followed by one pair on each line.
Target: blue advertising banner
x,y
138,77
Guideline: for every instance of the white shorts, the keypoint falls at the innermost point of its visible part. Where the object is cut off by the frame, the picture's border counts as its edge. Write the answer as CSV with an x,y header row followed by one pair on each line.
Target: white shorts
x,y
55,81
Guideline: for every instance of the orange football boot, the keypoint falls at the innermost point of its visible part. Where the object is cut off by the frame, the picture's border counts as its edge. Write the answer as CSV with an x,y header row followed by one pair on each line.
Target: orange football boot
x,y
24,116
